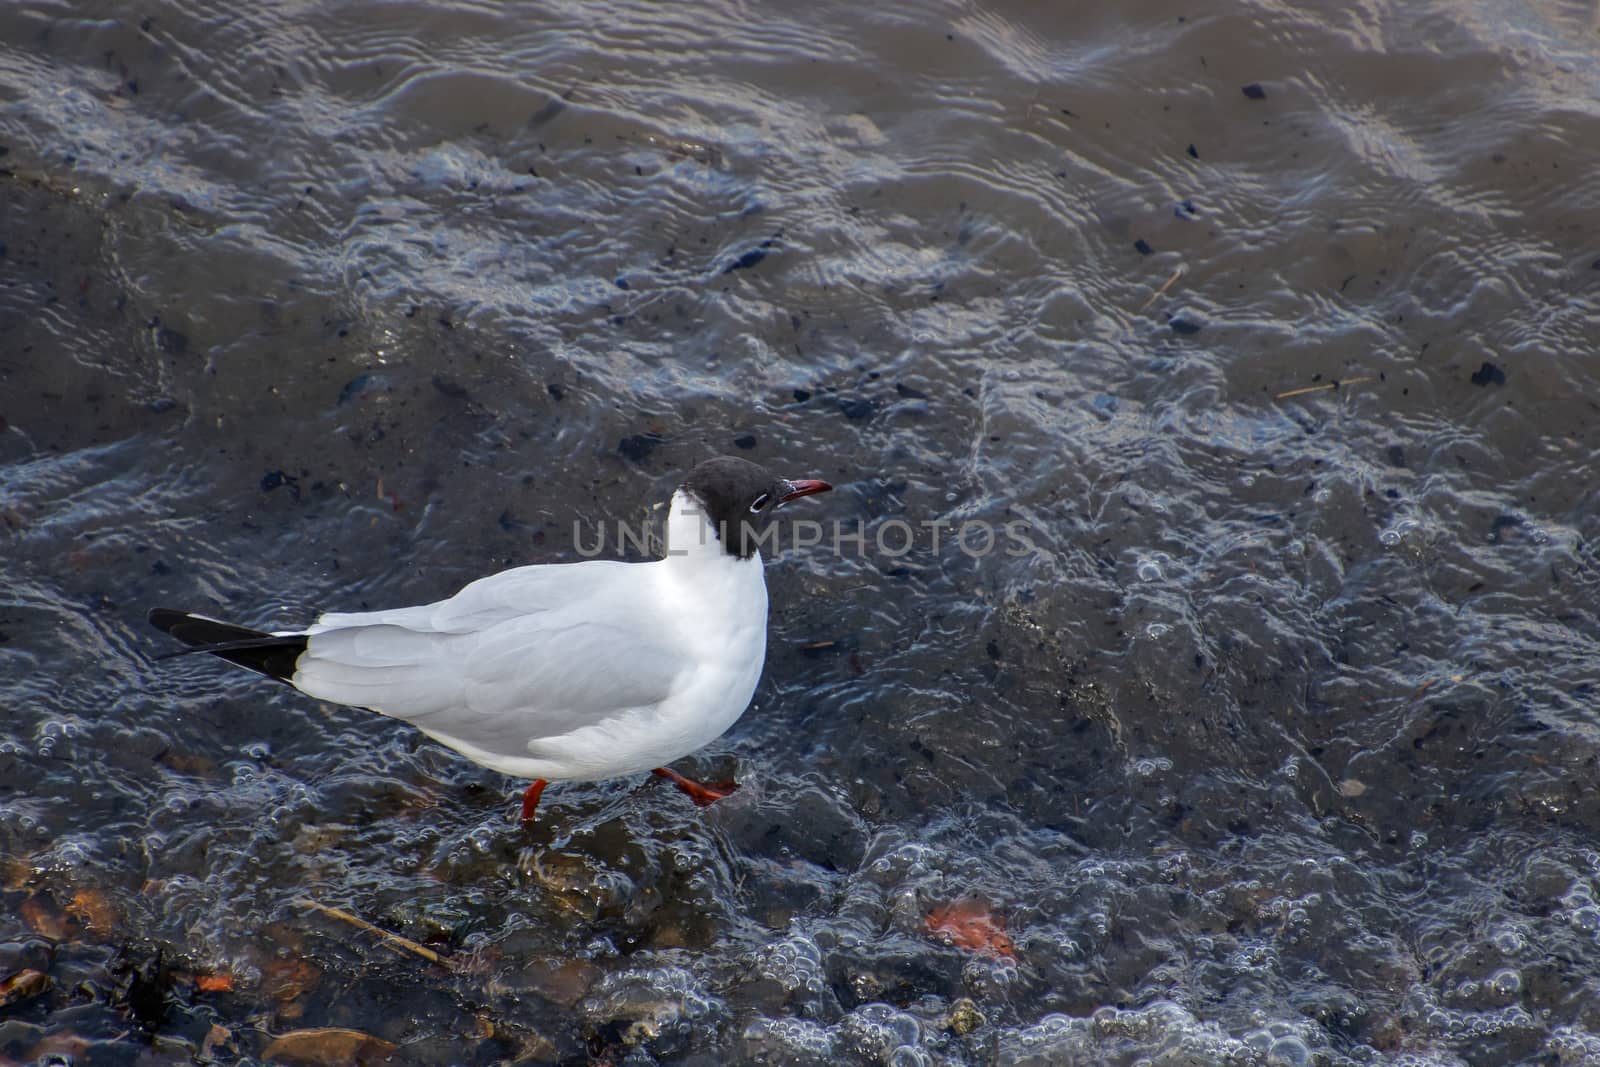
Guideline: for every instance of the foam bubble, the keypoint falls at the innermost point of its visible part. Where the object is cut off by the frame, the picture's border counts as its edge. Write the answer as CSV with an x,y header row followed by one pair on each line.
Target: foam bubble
x,y
790,1042
875,1031
794,963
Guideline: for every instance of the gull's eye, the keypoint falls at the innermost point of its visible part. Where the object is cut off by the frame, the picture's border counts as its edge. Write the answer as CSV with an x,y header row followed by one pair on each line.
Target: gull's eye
x,y
758,503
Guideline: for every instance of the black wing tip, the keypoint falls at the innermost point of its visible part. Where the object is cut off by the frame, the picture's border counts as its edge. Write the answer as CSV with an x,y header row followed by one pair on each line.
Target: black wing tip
x,y
273,655
164,619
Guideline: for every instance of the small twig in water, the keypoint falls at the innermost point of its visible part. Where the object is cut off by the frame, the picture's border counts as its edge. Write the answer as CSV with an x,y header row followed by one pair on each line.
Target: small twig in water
x,y
1324,387
395,940
1164,287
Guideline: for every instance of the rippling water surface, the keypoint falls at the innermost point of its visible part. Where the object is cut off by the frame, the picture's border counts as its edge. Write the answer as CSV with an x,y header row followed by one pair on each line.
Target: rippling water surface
x,y
1273,324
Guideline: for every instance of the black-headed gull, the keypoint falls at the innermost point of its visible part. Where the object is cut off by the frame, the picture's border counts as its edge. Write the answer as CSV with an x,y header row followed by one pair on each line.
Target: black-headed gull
x,y
559,671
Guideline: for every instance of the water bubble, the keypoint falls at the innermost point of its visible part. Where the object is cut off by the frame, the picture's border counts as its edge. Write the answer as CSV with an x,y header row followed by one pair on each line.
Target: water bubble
x,y
789,1041
55,728
1151,766
1396,532
1508,941
873,1030
1067,946
1506,983
1252,959
1288,1052
71,853
1148,570
793,963
905,1027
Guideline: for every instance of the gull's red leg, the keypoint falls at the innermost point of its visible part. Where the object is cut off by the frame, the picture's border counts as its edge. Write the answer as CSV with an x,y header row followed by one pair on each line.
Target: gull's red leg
x,y
700,794
530,799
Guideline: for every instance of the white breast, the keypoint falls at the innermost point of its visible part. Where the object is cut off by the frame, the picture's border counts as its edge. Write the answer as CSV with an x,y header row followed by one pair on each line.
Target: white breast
x,y
711,608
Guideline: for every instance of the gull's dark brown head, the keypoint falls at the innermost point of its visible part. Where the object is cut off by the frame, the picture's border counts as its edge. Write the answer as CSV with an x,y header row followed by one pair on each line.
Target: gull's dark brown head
x,y
738,498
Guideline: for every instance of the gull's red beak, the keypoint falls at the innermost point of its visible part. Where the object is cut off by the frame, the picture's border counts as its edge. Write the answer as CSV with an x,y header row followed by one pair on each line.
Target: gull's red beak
x,y
802,487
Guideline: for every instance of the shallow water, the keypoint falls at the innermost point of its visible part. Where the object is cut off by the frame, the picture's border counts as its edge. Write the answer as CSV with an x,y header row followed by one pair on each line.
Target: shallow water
x,y
1279,747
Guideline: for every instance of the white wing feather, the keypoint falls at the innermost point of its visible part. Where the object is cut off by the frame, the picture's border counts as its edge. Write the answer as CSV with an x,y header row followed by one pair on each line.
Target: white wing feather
x,y
510,659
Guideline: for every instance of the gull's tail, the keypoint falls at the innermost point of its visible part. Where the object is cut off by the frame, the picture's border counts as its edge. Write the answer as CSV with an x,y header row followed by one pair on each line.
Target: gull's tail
x,y
273,655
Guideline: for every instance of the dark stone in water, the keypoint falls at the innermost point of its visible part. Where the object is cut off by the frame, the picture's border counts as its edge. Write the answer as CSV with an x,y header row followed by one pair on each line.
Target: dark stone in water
x,y
754,256
1502,523
171,341
143,989
745,441
909,393
557,391
1193,152
552,107
1184,327
749,259
1397,456
802,395
274,479
449,388
639,446
1142,247
1254,91
858,409
352,389
1488,374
